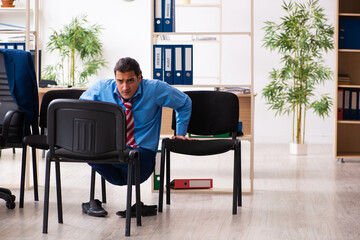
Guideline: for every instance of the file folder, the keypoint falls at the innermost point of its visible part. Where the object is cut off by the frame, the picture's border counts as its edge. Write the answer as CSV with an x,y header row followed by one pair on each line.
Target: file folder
x,y
20,46
169,15
340,104
158,16
349,33
178,65
346,115
188,64
158,62
10,45
191,183
353,105
2,45
168,64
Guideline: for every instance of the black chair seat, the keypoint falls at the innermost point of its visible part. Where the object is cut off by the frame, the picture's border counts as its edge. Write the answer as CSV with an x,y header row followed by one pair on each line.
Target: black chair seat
x,y
37,141
199,147
70,156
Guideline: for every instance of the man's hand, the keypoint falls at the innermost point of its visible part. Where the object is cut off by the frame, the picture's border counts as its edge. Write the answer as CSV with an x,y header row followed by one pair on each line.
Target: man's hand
x,y
182,137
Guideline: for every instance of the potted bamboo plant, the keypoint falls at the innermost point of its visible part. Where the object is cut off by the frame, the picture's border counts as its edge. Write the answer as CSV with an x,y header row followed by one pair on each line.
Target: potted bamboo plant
x,y
302,37
80,49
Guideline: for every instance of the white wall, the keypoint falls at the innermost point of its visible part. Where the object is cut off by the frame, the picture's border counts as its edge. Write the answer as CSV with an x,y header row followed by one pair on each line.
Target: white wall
x,y
127,33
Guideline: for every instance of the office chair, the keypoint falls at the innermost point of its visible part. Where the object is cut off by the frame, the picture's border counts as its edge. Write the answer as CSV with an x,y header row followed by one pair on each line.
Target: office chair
x,y
18,103
91,132
213,113
39,141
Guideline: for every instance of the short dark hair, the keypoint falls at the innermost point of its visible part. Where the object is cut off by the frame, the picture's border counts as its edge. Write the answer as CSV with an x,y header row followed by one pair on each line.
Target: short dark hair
x,y
127,64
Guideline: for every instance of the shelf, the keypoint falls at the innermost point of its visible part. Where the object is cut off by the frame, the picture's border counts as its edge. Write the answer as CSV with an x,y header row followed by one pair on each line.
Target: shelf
x,y
348,86
348,155
349,14
349,121
16,32
14,10
350,50
198,5
201,33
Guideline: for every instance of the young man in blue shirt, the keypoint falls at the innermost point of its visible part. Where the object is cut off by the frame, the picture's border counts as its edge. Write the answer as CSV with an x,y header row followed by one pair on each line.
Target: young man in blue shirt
x,y
147,98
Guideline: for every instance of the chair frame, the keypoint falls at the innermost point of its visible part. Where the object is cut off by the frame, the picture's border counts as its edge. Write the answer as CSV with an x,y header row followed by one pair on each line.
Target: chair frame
x,y
165,163
124,156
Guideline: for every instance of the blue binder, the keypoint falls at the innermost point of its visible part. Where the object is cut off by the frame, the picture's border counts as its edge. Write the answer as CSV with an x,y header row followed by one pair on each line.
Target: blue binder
x,y
158,62
353,105
349,33
158,16
2,45
20,46
169,15
178,65
347,101
168,64
188,64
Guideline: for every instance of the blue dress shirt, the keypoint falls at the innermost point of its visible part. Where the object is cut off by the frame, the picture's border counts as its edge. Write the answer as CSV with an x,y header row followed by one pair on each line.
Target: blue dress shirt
x,y
150,97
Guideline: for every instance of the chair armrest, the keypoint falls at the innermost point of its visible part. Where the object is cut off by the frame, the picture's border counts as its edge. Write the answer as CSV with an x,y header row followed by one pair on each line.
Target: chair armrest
x,y
7,121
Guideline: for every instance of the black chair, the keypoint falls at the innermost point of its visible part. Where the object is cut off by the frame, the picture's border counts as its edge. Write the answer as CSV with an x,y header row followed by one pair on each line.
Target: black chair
x,y
39,141
91,132
18,104
213,113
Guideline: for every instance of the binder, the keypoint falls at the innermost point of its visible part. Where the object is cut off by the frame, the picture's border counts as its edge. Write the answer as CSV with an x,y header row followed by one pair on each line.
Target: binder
x,y
346,114
168,64
2,45
10,45
349,33
191,183
158,16
353,105
340,104
20,46
158,62
178,65
169,15
188,64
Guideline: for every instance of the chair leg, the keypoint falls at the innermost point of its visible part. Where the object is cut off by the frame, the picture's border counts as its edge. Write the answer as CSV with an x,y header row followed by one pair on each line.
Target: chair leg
x,y
92,184
161,187
46,196
236,180
167,176
240,179
36,191
128,201
58,191
137,191
22,180
103,188
14,151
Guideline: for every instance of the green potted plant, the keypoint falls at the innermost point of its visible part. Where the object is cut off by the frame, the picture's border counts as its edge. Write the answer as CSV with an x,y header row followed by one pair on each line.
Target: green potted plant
x,y
301,38
80,49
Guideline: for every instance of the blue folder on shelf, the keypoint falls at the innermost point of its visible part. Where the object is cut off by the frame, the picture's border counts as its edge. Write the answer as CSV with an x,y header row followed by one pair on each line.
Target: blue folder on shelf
x,y
178,65
158,16
169,15
158,62
347,101
168,64
349,33
188,64
353,105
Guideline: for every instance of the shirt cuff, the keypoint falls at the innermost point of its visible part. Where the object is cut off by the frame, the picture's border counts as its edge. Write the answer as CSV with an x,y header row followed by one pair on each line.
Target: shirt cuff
x,y
181,130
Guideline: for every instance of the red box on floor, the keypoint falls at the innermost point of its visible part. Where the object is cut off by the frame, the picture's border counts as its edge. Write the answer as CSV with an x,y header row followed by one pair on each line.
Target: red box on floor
x,y
191,183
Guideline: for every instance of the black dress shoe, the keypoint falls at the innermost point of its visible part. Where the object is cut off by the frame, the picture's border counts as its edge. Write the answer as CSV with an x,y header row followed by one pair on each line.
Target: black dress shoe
x,y
93,208
145,210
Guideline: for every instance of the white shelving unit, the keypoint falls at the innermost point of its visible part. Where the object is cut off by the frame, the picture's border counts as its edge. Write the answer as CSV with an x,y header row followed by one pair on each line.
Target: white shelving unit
x,y
30,14
247,101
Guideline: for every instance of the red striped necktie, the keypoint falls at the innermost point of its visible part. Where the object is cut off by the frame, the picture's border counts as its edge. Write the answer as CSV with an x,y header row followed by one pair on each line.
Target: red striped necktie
x,y
130,138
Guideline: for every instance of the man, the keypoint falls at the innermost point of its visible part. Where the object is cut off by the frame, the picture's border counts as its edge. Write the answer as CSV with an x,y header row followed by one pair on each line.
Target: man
x,y
145,99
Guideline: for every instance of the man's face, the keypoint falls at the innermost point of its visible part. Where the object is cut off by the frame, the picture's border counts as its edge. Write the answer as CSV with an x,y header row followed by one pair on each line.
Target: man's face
x,y
127,83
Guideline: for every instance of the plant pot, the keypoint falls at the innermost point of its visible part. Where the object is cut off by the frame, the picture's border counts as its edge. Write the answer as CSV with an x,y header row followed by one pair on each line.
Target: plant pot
x,y
7,3
298,149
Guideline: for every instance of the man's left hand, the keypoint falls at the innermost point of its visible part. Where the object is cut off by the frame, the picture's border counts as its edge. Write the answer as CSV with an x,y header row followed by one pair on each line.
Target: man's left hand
x,y
182,137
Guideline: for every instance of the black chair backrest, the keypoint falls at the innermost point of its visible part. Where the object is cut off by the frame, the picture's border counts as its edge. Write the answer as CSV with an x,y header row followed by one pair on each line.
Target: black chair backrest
x,y
52,95
213,112
86,127
6,99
